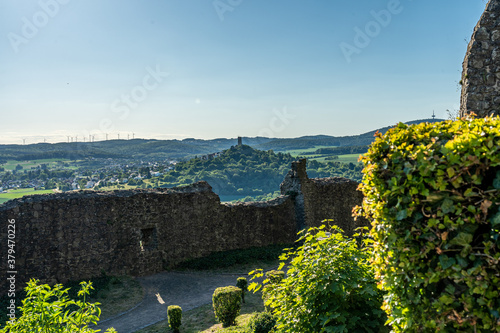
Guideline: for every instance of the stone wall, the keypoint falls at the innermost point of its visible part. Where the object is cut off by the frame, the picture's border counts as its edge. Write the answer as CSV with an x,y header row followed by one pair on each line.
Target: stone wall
x,y
481,67
79,235
319,199
60,237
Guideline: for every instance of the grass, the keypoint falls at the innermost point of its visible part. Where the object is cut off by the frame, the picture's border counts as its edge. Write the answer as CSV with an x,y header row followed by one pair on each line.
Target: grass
x,y
202,319
14,194
297,152
121,294
237,261
349,158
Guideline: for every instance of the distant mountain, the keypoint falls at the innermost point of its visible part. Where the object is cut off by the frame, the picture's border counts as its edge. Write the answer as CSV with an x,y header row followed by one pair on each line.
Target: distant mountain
x,y
176,149
325,140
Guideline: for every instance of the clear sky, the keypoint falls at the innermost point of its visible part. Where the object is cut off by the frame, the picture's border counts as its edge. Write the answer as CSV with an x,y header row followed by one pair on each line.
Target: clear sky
x,y
172,69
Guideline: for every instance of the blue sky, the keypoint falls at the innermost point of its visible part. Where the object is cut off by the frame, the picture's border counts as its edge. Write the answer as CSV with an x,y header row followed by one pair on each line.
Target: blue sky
x,y
172,69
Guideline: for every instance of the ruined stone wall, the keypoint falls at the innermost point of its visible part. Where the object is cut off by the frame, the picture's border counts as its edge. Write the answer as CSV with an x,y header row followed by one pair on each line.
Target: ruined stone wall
x,y
481,67
61,237
79,235
319,199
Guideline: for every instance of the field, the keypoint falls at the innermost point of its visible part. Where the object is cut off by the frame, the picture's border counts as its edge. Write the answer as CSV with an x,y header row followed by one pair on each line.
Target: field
x,y
51,163
300,152
348,158
14,194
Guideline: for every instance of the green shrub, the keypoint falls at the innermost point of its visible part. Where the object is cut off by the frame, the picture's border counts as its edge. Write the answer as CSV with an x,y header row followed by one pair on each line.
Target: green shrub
x,y
272,277
329,286
242,283
432,192
227,304
262,322
174,313
48,309
275,276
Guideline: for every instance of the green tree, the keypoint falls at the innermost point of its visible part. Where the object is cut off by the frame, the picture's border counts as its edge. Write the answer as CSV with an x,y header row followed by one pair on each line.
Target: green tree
x,y
329,286
48,310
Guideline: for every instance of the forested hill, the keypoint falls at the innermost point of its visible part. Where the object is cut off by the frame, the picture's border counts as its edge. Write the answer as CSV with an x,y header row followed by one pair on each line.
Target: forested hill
x,y
174,149
245,171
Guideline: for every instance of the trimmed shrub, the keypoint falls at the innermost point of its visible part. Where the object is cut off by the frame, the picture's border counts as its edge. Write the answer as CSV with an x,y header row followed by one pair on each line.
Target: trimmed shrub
x,y
432,192
174,313
329,286
227,304
242,283
262,322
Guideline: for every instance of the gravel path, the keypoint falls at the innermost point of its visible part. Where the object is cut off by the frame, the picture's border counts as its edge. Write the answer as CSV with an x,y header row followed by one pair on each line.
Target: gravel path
x,y
188,290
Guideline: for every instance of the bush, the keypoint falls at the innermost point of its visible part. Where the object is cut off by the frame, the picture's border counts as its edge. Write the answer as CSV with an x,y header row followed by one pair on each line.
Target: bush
x,y
48,309
227,304
432,192
174,313
329,286
262,322
242,283
275,276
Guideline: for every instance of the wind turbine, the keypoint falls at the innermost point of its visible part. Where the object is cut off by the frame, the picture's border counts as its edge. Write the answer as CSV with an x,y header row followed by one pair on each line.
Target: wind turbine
x,y
68,137
133,135
118,136
106,136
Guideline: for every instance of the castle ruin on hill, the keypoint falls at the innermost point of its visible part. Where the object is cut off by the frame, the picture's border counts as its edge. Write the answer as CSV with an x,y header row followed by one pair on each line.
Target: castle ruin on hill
x,y
79,235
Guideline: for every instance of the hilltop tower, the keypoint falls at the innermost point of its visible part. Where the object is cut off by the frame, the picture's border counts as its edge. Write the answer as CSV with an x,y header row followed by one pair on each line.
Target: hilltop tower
x,y
240,141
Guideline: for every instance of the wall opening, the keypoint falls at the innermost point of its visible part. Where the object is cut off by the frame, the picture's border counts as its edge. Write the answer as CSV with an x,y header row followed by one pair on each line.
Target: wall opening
x,y
149,239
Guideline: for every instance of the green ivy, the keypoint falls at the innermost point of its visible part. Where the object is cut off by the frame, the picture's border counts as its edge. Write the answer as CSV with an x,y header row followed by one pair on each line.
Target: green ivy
x,y
432,192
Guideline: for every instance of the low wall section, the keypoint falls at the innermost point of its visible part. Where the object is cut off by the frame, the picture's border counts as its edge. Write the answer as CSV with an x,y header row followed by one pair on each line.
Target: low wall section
x,y
60,237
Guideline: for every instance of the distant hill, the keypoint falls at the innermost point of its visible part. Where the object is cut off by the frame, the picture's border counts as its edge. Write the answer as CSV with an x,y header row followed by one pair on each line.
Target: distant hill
x,y
176,149
245,171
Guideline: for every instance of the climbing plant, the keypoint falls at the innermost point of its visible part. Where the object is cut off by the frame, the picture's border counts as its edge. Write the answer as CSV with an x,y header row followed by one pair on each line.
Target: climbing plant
x,y
432,192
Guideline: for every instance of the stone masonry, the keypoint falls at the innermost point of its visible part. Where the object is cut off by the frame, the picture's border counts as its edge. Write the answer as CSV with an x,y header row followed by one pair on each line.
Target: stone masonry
x,y
481,67
79,235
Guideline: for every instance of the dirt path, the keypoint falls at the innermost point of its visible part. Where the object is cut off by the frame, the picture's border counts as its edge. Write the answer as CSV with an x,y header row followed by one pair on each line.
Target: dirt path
x,y
188,290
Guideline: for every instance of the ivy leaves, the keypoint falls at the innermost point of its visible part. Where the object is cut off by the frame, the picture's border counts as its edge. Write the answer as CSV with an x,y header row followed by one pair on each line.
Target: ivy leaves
x,y
432,192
